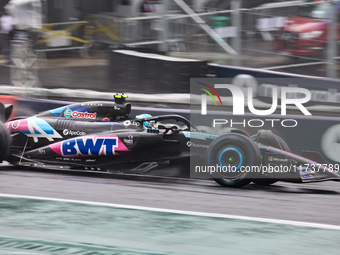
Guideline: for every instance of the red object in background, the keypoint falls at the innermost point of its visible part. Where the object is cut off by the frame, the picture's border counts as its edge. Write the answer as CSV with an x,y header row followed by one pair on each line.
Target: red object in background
x,y
307,33
10,100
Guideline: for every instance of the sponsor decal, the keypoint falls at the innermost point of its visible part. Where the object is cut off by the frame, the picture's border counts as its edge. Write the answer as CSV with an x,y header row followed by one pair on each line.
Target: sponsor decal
x,y
84,115
34,127
197,145
68,113
129,140
272,159
128,123
92,104
305,172
293,161
73,133
89,146
42,151
308,177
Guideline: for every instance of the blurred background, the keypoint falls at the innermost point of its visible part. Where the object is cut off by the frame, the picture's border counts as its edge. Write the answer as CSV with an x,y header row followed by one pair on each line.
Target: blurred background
x,y
72,43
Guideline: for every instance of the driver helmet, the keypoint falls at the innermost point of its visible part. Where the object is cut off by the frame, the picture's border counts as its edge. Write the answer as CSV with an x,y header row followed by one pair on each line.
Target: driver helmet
x,y
150,124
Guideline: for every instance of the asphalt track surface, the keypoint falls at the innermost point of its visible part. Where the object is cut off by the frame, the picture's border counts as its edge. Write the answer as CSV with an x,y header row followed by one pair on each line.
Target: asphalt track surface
x,y
314,202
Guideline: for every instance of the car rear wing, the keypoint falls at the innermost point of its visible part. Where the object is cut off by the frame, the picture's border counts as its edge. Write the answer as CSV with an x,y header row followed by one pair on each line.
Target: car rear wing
x,y
5,111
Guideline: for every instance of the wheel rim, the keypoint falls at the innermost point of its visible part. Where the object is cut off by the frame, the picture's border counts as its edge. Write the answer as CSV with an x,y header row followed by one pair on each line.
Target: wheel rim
x,y
231,157
230,160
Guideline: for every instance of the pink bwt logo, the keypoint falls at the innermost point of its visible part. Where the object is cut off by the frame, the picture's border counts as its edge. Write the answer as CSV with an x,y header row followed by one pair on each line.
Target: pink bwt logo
x,y
89,146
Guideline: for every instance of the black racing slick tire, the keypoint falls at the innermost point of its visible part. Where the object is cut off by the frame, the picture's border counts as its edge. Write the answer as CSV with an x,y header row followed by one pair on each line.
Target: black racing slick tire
x,y
234,155
5,142
266,137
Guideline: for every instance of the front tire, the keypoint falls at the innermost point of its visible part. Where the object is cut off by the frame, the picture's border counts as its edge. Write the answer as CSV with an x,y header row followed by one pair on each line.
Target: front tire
x,y
233,152
5,142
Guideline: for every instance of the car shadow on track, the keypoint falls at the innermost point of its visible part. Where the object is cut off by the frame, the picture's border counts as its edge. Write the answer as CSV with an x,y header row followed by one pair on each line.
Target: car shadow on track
x,y
279,187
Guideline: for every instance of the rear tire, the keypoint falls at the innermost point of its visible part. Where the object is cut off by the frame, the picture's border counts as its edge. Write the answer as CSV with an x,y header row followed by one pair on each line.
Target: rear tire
x,y
5,142
232,152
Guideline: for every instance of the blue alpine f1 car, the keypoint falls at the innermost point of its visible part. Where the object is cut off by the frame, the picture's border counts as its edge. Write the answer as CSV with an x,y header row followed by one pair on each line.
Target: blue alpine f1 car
x,y
100,136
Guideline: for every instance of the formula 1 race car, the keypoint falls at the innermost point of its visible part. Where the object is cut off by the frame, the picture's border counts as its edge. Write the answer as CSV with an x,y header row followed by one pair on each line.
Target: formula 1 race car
x,y
100,136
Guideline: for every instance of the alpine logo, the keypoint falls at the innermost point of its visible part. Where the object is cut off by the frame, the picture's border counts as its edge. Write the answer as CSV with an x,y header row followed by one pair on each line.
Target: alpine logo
x,y
75,114
35,128
89,146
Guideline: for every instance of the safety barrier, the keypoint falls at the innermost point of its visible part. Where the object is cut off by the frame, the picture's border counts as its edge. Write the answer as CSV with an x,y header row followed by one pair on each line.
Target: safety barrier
x,y
261,21
270,17
134,31
258,39
322,90
144,30
139,72
105,29
63,36
182,33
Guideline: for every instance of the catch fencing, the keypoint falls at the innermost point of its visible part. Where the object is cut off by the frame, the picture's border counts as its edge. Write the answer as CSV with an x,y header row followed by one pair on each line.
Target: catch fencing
x,y
62,36
255,34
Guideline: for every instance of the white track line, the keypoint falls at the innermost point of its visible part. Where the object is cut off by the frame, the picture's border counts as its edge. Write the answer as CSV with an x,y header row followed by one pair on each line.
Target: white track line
x,y
190,213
